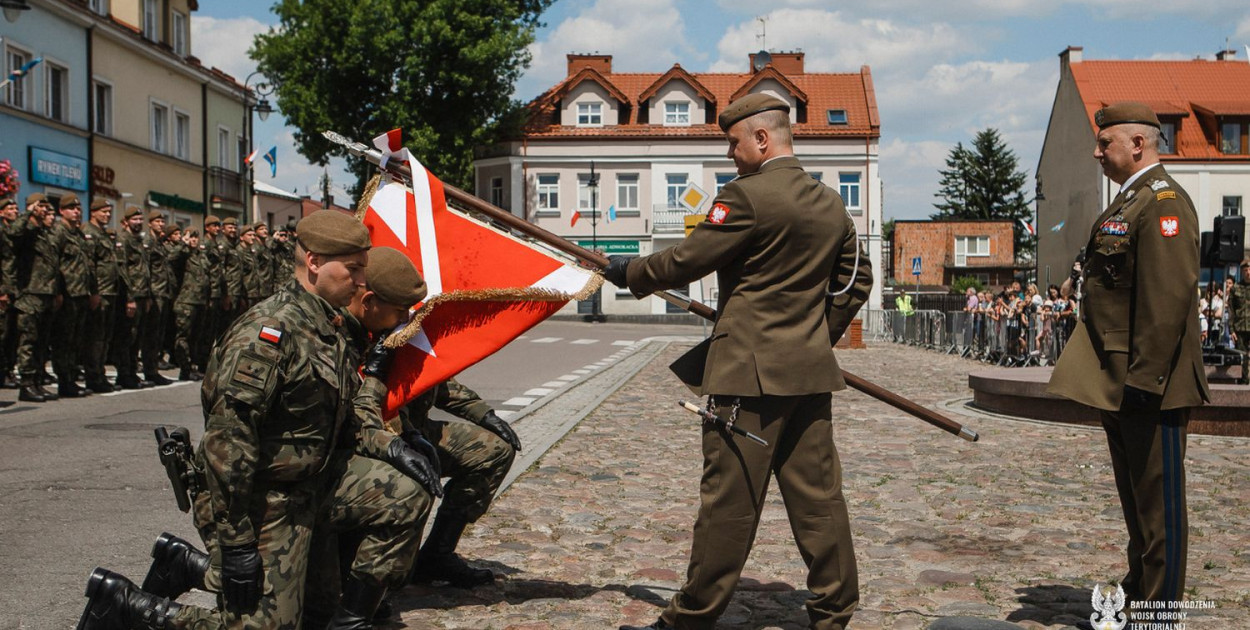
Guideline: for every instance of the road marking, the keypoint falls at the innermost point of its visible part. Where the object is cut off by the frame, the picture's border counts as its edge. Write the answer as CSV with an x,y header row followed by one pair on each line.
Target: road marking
x,y
539,392
505,413
583,342
519,401
569,377
582,372
557,384
624,342
146,389
548,340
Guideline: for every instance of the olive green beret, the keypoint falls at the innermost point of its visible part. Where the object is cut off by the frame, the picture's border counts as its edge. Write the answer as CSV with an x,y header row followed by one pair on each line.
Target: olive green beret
x,y
748,106
99,203
245,229
230,221
7,201
333,233
392,276
70,200
35,198
156,214
132,211
211,220
1126,112
259,225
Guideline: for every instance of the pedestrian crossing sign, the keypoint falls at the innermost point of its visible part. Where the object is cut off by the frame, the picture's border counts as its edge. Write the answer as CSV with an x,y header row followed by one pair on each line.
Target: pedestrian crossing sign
x,y
915,266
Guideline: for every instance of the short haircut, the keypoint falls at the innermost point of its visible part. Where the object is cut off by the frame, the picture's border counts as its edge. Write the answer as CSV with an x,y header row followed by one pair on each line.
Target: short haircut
x,y
776,122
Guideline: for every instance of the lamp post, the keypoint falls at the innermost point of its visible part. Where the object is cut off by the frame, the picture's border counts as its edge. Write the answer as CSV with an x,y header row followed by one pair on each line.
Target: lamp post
x,y
596,311
13,9
262,109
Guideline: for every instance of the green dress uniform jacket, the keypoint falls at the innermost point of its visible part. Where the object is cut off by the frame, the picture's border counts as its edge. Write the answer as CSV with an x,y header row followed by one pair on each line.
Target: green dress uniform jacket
x,y
101,250
770,245
136,273
77,277
1139,312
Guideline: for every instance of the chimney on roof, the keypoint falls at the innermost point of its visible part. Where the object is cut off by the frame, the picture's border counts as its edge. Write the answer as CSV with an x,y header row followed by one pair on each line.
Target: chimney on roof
x,y
1226,55
600,63
788,63
1070,55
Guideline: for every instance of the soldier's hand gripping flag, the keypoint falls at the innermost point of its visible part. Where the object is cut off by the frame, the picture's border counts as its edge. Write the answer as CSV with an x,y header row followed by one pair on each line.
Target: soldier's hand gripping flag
x,y
486,287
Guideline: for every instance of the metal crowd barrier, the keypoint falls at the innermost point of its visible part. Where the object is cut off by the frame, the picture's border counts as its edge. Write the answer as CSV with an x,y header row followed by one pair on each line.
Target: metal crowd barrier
x,y
1018,341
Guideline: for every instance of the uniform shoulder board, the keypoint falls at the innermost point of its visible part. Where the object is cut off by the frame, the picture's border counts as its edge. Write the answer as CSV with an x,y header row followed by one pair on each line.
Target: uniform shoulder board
x,y
1158,184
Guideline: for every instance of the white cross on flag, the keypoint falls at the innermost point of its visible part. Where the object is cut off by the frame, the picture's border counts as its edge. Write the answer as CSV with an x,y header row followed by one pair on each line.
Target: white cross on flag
x,y
486,287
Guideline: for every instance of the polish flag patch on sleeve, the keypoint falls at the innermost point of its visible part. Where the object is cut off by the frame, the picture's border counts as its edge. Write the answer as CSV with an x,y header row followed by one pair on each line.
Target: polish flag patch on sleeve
x,y
718,213
1169,226
270,334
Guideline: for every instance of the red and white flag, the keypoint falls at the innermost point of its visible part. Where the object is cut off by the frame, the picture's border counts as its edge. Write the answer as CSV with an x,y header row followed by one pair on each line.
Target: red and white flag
x,y
486,287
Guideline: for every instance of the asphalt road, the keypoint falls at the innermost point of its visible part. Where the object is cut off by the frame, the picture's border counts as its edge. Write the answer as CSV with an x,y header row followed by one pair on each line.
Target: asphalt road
x,y
80,484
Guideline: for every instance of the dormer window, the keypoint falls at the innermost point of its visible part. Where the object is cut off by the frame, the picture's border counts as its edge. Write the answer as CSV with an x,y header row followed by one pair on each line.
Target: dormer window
x,y
590,114
677,113
1167,137
836,116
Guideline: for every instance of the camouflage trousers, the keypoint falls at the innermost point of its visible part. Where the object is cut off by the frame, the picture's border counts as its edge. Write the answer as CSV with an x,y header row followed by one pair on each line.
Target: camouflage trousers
x,y
8,342
188,321
34,322
99,334
153,335
1243,345
70,324
475,460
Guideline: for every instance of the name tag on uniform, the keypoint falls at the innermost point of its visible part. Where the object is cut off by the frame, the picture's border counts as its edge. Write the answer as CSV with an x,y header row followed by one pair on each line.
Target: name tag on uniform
x,y
1117,228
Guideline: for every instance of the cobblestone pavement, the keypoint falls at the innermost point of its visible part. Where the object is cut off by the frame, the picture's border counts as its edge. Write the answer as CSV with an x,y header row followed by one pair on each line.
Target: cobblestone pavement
x,y
1016,527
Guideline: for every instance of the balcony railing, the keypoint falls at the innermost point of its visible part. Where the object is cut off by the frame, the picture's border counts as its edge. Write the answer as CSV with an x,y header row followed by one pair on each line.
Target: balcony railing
x,y
226,184
667,219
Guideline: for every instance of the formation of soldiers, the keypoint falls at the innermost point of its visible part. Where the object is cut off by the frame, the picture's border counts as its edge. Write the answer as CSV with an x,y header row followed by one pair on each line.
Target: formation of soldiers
x,y
146,295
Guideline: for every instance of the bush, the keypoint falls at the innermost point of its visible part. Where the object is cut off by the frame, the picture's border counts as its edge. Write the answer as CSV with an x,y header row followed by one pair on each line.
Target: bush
x,y
961,284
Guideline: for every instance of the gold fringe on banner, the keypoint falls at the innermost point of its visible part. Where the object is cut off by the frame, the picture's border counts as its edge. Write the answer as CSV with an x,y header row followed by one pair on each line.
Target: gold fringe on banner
x,y
490,295
366,196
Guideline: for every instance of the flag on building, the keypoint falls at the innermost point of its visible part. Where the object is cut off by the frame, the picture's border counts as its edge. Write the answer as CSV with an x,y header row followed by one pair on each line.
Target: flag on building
x,y
271,156
611,213
1028,227
1058,226
21,71
486,287
573,218
251,157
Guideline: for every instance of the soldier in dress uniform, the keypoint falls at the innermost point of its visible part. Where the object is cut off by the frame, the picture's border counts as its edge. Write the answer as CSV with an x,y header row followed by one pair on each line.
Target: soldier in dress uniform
x,y
779,241
1135,354
1238,304
8,294
38,272
136,276
101,249
78,296
153,332
278,402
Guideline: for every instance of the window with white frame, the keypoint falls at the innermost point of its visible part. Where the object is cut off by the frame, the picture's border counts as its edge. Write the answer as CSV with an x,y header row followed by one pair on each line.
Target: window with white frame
x,y
102,93
101,7
223,147
677,112
589,114
970,246
548,192
848,187
160,128
17,94
496,191
180,34
587,195
674,185
627,191
182,135
151,20
56,92
722,179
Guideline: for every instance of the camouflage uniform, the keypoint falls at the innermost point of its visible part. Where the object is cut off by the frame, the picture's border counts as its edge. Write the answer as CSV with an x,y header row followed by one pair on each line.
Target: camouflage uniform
x,y
153,332
136,276
189,305
277,405
8,286
77,284
233,269
102,251
282,258
251,273
215,319
1239,321
262,259
38,261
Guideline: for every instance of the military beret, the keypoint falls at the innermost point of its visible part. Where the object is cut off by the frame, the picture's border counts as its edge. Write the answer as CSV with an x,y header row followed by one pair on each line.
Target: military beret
x,y
748,106
230,221
211,220
132,211
1126,112
99,203
333,233
35,198
156,214
6,201
392,276
245,229
70,200
259,225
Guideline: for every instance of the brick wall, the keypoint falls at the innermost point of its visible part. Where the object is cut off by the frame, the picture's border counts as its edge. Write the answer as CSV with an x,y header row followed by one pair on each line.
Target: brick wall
x,y
934,242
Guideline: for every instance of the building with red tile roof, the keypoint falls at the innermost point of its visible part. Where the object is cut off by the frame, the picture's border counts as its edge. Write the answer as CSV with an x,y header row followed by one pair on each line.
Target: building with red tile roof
x,y
650,137
1204,106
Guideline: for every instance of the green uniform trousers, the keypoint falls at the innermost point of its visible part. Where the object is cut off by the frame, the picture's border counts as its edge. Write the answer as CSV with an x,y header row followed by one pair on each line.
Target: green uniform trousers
x,y
70,324
98,335
152,336
1148,457
187,324
736,471
474,459
34,321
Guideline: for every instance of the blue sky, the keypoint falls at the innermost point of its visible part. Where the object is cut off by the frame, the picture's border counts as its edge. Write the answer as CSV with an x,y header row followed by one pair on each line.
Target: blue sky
x,y
942,70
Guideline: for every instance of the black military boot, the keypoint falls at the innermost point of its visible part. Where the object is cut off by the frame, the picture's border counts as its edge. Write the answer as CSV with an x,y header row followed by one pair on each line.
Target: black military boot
x,y
188,374
67,388
438,560
157,379
177,567
99,385
115,603
357,606
48,395
30,392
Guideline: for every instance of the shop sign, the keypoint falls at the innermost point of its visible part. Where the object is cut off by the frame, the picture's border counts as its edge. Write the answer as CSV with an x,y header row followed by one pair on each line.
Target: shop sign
x,y
611,246
57,169
174,202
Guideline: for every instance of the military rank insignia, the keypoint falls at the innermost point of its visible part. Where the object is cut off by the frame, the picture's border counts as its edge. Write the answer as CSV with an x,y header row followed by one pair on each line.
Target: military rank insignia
x,y
718,213
1158,185
270,334
1169,226
1165,194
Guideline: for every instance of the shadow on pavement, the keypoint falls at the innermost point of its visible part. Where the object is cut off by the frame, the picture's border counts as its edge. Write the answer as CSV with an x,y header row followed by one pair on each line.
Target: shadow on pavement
x,y
1055,604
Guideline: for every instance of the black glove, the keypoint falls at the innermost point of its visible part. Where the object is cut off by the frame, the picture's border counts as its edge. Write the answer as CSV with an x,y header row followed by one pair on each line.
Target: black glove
x,y
416,461
496,425
1141,399
242,578
378,360
615,271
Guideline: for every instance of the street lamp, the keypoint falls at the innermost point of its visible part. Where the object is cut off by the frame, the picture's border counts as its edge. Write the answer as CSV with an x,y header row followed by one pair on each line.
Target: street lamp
x,y
13,9
596,311
262,109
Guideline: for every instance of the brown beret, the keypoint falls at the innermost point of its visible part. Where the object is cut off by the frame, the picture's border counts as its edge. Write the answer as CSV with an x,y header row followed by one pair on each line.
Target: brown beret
x,y
1126,112
132,211
156,214
230,221
748,106
333,233
7,201
392,276
99,203
259,225
70,200
211,220
245,229
35,198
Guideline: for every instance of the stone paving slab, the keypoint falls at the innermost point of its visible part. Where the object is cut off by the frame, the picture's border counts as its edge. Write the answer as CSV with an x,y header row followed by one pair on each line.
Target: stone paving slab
x,y
1017,527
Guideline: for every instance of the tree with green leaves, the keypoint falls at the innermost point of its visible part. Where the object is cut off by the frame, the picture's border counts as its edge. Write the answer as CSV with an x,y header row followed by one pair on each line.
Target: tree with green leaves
x,y
442,70
981,182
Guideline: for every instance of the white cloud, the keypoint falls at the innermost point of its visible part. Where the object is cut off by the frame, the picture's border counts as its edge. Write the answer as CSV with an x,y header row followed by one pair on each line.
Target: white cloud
x,y
1243,31
922,11
223,43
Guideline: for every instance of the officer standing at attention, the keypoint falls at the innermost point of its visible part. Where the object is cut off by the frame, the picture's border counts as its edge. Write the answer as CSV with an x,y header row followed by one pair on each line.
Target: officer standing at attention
x,y
136,275
277,396
8,293
38,270
189,307
233,268
78,296
101,249
1135,354
1238,303
779,242
153,332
